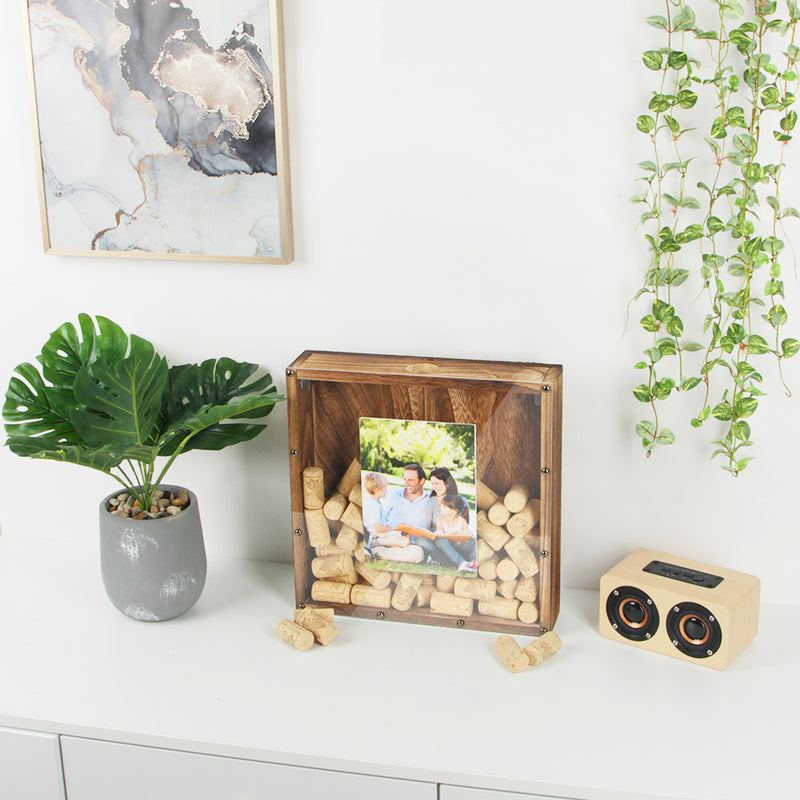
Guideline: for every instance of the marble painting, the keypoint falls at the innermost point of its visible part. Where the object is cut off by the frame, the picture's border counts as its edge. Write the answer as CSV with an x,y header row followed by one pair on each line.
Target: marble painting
x,y
157,127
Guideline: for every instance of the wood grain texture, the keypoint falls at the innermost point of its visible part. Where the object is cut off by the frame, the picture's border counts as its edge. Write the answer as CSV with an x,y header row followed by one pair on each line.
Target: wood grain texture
x,y
516,409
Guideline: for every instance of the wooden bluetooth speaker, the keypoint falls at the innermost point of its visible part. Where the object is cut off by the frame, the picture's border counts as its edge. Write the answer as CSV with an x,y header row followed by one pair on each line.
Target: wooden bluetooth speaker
x,y
681,608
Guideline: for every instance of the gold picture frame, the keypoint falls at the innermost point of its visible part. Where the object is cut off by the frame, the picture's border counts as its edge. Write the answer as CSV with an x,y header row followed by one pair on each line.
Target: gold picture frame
x,y
161,129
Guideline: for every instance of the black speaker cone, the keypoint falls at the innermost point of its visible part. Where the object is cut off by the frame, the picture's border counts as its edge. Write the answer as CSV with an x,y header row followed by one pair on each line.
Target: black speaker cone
x,y
694,630
632,613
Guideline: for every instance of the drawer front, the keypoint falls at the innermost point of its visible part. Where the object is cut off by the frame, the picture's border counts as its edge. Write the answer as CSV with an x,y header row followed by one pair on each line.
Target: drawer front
x,y
30,765
97,770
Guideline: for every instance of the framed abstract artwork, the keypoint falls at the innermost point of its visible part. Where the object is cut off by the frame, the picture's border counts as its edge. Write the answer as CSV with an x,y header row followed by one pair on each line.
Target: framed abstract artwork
x,y
161,128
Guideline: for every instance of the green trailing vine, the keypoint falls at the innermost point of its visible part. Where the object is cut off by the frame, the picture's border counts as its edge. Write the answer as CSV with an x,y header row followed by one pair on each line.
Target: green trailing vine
x,y
718,123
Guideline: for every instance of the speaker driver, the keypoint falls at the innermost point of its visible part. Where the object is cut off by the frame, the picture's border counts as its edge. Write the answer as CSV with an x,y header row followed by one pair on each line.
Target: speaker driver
x,y
694,630
632,613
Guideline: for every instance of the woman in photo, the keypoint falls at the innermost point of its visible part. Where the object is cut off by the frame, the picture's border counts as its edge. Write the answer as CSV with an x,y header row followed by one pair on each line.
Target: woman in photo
x,y
452,517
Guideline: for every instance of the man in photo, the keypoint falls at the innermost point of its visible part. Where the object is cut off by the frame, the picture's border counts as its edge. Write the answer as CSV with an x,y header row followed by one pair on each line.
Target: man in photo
x,y
414,506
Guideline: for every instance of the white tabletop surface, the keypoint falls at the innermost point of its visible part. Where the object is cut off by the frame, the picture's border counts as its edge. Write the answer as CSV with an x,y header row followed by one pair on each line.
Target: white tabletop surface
x,y
599,720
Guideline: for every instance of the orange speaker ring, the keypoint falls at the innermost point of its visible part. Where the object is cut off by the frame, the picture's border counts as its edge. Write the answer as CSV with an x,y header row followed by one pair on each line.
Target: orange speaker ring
x,y
691,639
636,602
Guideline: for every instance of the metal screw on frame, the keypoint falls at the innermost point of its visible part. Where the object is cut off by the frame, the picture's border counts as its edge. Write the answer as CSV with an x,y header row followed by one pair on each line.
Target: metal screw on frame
x,y
293,452
460,623
545,470
301,605
290,372
545,388
298,532
546,553
380,615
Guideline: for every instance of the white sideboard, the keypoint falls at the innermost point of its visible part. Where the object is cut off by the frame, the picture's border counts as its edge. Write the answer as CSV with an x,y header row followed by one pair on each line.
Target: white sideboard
x,y
213,699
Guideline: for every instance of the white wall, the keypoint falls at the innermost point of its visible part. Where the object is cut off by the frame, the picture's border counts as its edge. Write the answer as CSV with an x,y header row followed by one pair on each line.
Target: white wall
x,y
461,172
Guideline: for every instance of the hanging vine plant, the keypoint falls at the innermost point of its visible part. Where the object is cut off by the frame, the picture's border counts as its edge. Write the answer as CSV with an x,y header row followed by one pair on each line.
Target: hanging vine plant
x,y
718,122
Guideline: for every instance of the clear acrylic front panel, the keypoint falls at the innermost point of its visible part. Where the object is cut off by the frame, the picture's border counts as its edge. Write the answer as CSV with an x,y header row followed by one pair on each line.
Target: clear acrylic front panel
x,y
428,501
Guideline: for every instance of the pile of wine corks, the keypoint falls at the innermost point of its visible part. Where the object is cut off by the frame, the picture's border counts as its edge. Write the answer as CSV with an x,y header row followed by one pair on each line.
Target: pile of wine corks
x,y
518,659
505,588
311,624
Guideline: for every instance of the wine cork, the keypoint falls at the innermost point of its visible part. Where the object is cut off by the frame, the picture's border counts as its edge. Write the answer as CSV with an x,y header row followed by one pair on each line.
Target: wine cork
x,y
484,496
424,595
516,498
523,557
347,539
499,607
313,487
511,654
352,517
498,514
334,506
319,533
325,613
475,588
360,553
546,645
526,520
331,549
484,552
429,580
492,534
330,592
293,634
334,568
526,590
443,603
324,632
374,577
507,589
528,613
507,570
355,495
350,478
488,569
370,596
403,596
445,583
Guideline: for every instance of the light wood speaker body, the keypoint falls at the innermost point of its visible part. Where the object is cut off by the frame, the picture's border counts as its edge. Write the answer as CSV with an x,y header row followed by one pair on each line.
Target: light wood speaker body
x,y
681,608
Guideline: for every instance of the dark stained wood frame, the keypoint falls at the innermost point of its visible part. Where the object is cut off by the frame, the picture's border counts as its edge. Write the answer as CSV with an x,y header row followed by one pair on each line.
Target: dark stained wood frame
x,y
517,410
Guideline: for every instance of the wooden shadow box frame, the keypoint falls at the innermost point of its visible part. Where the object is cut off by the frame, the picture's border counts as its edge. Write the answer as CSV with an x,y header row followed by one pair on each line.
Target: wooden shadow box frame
x,y
517,411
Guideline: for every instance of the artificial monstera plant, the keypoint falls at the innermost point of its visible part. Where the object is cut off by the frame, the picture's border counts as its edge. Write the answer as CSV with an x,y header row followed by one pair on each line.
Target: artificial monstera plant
x,y
102,399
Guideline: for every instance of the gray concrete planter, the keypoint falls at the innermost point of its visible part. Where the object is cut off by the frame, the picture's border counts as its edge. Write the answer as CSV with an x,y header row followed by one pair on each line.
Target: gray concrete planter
x,y
153,569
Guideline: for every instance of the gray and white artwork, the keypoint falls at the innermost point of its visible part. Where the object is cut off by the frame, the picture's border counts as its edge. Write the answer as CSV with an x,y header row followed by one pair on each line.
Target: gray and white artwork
x,y
157,127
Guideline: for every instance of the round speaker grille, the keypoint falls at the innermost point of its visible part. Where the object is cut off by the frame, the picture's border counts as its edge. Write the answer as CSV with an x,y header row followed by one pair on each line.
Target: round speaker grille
x,y
694,630
632,613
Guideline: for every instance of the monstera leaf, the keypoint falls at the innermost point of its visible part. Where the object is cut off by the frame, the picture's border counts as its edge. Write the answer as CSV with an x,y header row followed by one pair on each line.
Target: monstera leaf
x,y
204,397
123,401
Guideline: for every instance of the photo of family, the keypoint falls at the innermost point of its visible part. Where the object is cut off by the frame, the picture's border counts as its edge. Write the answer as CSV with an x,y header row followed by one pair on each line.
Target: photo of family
x,y
418,493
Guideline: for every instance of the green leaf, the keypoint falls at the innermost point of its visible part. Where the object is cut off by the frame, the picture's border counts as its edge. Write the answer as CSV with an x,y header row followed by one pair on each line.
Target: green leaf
x,y
757,345
663,388
790,347
684,20
674,327
663,311
735,117
677,59
658,22
652,59
686,98
715,225
722,411
645,429
746,143
745,406
693,347
645,123
122,401
204,396
642,393
649,323
689,384
741,430
665,436
789,121
776,316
